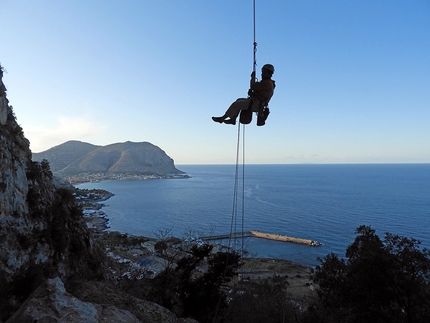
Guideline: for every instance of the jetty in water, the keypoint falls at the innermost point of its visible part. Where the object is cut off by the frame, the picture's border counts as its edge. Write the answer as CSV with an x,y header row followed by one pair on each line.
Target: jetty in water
x,y
279,237
270,236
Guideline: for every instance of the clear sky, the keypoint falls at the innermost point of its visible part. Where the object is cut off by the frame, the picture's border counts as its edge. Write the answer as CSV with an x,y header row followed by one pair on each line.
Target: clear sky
x,y
353,77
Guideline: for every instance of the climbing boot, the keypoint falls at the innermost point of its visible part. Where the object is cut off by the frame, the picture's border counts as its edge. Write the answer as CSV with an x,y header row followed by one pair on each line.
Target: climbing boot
x,y
230,121
217,119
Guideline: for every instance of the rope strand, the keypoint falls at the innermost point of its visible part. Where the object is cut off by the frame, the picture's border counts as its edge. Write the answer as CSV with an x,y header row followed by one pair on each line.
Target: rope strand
x,y
255,42
243,192
233,224
236,179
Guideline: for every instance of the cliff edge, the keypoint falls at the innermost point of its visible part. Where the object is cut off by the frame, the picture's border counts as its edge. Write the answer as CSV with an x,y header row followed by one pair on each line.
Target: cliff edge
x,y
46,244
42,232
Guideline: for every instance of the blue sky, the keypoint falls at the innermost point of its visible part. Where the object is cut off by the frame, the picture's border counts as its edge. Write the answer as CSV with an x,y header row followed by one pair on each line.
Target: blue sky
x,y
353,77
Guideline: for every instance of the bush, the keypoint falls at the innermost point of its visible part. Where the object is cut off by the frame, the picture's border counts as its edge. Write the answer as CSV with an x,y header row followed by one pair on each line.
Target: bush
x,y
188,292
265,301
379,281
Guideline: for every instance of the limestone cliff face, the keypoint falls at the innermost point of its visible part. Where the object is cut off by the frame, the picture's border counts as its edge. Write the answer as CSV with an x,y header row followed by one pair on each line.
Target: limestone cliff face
x,y
14,155
42,232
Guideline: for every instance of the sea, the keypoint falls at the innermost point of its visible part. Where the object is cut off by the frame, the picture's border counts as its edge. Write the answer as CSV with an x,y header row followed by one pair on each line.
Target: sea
x,y
326,203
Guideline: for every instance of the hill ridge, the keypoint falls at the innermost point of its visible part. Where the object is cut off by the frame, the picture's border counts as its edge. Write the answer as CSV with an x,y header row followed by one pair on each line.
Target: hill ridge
x,y
75,158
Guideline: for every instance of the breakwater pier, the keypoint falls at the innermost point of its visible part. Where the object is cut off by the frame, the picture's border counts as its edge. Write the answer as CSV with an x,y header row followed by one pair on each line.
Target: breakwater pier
x,y
234,235
262,235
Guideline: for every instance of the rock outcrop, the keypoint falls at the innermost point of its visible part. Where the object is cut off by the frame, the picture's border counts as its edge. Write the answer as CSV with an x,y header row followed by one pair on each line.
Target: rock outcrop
x,y
51,303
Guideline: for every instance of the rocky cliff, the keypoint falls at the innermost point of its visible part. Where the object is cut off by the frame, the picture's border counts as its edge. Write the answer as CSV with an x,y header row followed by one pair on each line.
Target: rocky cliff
x,y
42,232
45,243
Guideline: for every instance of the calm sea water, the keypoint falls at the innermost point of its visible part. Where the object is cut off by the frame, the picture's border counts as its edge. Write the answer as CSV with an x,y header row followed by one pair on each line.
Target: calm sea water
x,y
319,202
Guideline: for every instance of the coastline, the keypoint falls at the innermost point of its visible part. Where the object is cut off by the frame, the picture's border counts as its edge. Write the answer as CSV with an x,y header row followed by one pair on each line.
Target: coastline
x,y
300,206
90,201
134,256
98,177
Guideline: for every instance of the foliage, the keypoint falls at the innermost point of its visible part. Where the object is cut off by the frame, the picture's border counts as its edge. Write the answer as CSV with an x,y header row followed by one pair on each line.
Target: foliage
x,y
380,281
67,235
163,234
265,301
202,295
189,290
39,171
40,177
46,168
118,238
65,240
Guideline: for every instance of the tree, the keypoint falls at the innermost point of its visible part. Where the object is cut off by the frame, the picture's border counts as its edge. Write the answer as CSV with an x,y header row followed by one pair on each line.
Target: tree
x,y
379,281
262,301
189,290
203,297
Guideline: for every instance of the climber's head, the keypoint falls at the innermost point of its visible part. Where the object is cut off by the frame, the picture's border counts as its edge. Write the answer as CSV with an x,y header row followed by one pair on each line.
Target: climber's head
x,y
268,67
267,71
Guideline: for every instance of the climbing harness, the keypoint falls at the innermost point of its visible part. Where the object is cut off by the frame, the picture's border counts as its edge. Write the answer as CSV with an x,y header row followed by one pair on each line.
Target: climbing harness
x,y
245,116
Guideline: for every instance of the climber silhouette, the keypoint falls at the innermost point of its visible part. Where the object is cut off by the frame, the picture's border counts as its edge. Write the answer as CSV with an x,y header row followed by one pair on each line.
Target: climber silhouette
x,y
259,93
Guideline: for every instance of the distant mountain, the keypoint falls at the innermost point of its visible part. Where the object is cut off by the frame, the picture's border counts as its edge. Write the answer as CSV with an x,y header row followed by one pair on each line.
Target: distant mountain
x,y
75,157
62,155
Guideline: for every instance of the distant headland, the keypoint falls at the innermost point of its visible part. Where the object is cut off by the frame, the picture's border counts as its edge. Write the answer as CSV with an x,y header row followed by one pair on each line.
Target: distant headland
x,y
78,162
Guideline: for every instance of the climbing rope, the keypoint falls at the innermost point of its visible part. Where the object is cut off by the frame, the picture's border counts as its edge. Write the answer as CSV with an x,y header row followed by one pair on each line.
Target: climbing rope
x,y
243,195
255,43
234,220
234,217
234,206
